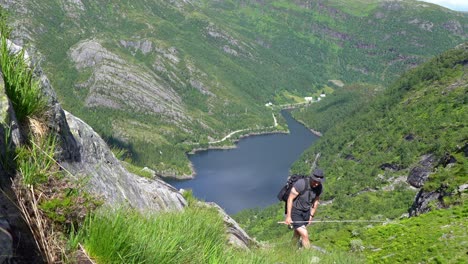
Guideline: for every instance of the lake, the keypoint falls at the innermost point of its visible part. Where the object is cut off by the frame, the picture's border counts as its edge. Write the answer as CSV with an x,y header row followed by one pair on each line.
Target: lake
x,y
251,174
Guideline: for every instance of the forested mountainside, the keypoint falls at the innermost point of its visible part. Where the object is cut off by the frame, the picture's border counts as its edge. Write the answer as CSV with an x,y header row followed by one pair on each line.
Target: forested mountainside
x,y
160,78
404,153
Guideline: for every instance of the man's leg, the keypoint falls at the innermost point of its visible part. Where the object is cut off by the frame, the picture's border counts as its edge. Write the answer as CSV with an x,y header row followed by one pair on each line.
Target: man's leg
x,y
302,231
295,239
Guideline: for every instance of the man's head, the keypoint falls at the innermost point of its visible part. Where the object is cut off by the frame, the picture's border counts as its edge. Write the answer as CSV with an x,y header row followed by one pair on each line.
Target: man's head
x,y
317,177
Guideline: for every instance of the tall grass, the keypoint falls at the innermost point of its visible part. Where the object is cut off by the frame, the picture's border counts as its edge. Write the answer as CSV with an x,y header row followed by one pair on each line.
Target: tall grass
x,y
196,235
124,236
20,86
35,161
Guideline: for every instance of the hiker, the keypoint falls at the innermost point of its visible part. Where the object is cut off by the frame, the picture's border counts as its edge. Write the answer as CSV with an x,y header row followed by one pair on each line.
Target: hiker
x,y
302,204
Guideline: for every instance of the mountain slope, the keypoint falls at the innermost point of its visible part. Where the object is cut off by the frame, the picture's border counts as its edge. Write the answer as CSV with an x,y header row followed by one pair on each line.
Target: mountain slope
x,y
161,78
404,153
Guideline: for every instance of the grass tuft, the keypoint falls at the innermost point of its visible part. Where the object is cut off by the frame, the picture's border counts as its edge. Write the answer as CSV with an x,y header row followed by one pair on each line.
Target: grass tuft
x,y
35,161
20,86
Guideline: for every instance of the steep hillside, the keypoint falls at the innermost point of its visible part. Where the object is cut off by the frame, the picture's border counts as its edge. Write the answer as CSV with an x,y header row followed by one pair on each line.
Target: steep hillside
x,y
160,78
403,154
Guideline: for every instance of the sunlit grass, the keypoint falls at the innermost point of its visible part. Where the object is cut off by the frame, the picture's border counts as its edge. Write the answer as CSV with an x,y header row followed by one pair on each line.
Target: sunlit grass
x,y
21,88
35,161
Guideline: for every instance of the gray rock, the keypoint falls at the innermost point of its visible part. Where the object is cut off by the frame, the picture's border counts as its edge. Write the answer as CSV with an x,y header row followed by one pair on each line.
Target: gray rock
x,y
462,188
419,174
427,201
114,83
108,178
422,202
16,241
17,244
144,46
237,236
6,241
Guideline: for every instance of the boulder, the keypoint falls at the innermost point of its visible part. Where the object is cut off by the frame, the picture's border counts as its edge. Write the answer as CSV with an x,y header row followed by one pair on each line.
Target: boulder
x,y
237,237
419,174
390,166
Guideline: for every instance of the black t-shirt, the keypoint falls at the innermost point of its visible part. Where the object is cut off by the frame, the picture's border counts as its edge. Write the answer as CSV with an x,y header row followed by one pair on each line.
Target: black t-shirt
x,y
305,200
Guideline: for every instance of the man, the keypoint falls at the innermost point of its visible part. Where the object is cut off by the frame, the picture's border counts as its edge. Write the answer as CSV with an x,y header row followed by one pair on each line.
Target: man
x,y
302,204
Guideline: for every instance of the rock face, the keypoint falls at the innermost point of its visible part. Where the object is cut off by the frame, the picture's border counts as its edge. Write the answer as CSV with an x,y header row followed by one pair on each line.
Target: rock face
x,y
426,201
237,236
119,85
417,177
108,178
419,174
16,241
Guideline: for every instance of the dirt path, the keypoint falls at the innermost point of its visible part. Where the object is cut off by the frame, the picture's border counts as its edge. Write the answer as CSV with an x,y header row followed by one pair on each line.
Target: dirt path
x,y
275,124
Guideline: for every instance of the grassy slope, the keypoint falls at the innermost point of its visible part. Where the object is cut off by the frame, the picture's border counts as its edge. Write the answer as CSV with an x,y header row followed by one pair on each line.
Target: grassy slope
x,y
428,102
193,236
436,237
295,48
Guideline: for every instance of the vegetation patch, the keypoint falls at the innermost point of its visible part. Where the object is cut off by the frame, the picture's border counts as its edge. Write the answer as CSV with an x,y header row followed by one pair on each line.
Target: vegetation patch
x,y
436,237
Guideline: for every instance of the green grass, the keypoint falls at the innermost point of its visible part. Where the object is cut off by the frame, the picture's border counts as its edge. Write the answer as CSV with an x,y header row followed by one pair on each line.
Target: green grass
x,y
359,8
196,235
35,161
440,236
121,236
20,86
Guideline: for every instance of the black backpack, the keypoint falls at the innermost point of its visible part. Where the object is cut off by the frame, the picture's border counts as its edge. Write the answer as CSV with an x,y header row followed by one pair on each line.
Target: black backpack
x,y
286,190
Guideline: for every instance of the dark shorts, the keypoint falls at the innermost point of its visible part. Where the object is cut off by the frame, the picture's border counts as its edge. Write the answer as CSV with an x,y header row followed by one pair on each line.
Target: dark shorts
x,y
299,216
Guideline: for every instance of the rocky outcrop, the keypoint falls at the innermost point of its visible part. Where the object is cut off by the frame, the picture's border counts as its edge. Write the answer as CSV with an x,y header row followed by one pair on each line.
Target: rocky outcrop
x,y
109,179
117,84
390,166
237,237
419,174
426,201
17,244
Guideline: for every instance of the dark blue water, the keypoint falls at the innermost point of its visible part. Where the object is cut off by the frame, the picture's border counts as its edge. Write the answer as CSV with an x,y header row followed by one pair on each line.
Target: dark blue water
x,y
251,174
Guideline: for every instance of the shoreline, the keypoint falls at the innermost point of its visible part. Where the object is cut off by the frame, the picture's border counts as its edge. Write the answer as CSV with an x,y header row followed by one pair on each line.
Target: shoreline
x,y
233,145
315,132
235,141
173,177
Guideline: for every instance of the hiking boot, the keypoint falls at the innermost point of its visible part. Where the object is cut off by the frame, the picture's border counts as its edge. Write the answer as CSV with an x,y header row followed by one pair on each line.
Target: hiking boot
x,y
299,243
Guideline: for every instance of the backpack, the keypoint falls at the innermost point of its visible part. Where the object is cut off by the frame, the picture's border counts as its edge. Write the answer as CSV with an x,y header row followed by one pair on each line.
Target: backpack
x,y
286,190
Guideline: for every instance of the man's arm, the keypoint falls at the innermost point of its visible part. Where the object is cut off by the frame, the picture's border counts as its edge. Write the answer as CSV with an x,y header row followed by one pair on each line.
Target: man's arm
x,y
314,208
291,198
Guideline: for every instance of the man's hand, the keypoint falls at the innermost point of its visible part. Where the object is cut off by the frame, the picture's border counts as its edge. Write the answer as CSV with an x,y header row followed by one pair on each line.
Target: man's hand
x,y
310,220
288,220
